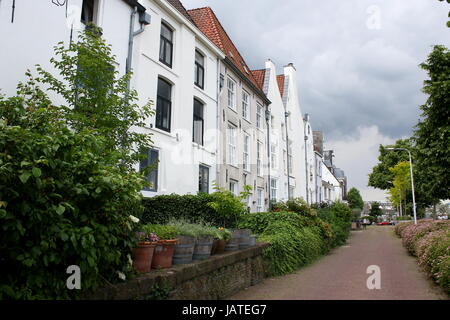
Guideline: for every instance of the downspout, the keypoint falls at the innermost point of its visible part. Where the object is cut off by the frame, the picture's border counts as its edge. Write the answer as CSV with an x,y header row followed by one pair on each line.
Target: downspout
x,y
268,156
286,115
306,159
131,43
218,136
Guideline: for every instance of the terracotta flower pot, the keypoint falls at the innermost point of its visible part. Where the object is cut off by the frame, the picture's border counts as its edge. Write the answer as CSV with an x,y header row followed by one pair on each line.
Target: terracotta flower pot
x,y
142,256
163,256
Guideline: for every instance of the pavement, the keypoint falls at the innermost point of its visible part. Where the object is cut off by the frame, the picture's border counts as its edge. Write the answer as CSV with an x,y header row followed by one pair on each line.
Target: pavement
x,y
342,274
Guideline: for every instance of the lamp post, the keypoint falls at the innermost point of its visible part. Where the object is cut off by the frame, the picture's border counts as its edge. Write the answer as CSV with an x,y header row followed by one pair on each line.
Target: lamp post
x,y
412,179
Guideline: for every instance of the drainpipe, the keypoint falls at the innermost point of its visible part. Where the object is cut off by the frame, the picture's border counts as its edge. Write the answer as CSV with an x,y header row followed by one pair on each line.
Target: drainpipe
x,y
286,115
218,135
131,42
306,157
268,154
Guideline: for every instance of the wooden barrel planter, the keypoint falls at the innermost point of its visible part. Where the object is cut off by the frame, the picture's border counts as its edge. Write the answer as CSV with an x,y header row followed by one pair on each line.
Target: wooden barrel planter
x,y
203,247
163,256
143,256
252,240
184,250
244,240
233,244
218,247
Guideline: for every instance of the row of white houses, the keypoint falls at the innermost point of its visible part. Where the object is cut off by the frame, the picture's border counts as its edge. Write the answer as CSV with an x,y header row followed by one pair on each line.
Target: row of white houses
x,y
217,122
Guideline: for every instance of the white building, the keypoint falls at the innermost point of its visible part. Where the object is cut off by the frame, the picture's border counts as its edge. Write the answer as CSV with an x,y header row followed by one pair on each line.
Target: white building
x,y
177,66
331,187
242,158
29,30
310,158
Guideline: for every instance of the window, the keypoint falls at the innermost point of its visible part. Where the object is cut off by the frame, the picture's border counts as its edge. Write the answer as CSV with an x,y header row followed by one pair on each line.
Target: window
x,y
291,192
232,145
166,45
152,160
283,131
259,116
273,156
234,187
246,159
285,161
203,183
245,106
231,85
273,189
199,123
260,200
88,11
163,105
259,151
199,69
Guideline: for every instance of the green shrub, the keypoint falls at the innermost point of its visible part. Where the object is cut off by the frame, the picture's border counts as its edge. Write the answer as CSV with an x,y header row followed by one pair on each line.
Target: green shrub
x,y
290,248
163,232
258,222
297,205
64,203
338,216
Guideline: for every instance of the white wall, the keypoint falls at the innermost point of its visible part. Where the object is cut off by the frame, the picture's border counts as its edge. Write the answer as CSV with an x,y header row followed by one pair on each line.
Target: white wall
x,y
335,192
180,158
39,25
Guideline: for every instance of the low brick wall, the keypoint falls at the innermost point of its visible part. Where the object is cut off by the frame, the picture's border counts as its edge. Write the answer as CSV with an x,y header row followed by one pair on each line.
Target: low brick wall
x,y
216,278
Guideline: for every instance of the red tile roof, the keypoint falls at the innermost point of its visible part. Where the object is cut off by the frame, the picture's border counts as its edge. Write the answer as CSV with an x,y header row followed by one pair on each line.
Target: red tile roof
x,y
207,21
280,80
179,6
259,76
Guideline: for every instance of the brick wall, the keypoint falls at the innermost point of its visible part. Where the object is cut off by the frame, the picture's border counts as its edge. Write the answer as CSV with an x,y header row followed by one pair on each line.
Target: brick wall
x,y
216,278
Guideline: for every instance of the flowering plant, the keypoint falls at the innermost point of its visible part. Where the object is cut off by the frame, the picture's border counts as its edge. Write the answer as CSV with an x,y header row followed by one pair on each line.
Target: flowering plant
x,y
146,237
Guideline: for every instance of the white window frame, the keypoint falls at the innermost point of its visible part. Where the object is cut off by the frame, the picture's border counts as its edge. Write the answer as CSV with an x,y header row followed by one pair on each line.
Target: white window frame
x,y
246,152
231,89
260,200
259,151
274,189
246,105
259,116
273,156
232,145
235,185
291,160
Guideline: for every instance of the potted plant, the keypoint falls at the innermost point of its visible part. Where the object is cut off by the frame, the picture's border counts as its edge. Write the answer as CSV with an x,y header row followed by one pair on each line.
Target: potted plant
x,y
222,237
187,237
143,252
167,239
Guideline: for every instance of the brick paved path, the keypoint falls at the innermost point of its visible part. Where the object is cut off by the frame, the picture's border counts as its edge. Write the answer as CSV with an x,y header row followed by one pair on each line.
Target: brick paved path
x,y
342,274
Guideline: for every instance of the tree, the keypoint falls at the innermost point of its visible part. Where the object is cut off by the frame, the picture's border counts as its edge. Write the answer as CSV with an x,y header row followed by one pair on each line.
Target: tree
x,y
432,134
67,185
354,199
401,182
375,210
448,22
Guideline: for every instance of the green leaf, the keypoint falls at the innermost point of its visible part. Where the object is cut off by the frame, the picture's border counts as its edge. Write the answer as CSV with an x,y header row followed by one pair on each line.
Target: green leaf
x,y
37,172
25,176
60,210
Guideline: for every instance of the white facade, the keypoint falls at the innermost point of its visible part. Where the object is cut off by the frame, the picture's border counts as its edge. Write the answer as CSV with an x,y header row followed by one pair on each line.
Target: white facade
x,y
282,152
179,157
30,34
310,158
331,187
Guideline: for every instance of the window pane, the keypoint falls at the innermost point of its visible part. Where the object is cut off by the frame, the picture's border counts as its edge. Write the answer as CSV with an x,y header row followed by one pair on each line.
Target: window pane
x,y
164,89
166,32
153,161
199,58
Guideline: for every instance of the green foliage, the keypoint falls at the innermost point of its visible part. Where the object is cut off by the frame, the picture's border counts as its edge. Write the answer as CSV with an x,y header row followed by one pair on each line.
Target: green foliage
x,y
67,187
432,134
375,210
163,232
192,208
338,216
354,199
401,182
227,206
290,248
258,222
159,292
297,205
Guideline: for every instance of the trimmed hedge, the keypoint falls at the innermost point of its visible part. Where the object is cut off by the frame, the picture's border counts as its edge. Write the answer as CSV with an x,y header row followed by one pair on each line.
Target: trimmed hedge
x,y
430,242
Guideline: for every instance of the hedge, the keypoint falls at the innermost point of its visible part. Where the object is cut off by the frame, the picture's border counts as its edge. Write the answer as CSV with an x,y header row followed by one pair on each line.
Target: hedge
x,y
194,208
430,242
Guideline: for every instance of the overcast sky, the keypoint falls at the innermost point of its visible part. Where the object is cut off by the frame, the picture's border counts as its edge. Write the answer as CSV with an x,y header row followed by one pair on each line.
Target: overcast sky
x,y
357,64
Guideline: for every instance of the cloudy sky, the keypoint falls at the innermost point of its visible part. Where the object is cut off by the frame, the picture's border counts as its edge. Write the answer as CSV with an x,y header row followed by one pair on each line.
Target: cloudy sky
x,y
357,64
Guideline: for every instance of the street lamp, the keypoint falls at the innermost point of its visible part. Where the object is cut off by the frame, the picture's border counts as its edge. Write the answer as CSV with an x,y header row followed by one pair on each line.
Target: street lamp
x,y
412,179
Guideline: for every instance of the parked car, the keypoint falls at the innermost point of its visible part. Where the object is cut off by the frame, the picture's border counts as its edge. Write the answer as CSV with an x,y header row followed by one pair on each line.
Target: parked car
x,y
385,223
